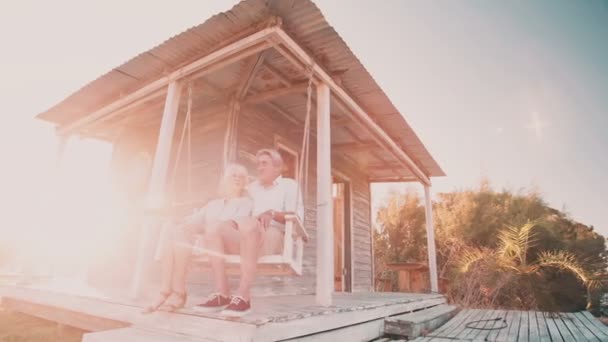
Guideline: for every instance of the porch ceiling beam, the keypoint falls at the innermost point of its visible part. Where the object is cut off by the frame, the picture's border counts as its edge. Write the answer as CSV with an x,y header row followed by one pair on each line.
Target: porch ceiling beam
x,y
277,74
251,71
384,166
272,94
396,179
231,53
355,146
305,61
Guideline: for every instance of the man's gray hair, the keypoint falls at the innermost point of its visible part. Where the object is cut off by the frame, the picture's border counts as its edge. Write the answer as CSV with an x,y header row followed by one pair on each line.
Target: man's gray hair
x,y
274,155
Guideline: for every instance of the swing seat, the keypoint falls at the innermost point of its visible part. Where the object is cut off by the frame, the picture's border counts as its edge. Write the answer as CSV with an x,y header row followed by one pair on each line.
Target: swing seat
x,y
289,262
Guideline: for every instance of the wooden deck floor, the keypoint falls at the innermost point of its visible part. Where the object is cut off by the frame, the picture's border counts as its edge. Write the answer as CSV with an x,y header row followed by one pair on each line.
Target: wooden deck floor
x,y
516,326
273,318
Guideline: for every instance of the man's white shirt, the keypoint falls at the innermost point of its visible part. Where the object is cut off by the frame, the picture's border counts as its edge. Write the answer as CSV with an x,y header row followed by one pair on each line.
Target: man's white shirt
x,y
282,195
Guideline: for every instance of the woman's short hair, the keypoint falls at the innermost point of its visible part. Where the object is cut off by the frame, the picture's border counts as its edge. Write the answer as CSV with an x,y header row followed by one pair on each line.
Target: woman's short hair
x,y
274,155
232,169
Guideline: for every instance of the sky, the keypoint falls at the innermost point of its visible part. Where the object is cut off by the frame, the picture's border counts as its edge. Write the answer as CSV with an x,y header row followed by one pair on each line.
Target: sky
x,y
515,92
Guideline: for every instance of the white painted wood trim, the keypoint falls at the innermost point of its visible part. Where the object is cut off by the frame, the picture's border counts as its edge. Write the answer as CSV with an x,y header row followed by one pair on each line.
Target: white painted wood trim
x,y
348,181
299,256
325,231
371,237
288,242
158,179
430,239
187,70
379,135
300,230
351,224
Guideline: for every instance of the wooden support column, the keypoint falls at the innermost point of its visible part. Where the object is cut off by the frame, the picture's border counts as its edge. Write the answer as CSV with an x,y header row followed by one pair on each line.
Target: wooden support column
x,y
157,185
325,231
430,239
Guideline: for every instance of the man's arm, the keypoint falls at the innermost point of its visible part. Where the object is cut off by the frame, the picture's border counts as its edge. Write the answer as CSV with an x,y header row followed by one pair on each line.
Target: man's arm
x,y
293,203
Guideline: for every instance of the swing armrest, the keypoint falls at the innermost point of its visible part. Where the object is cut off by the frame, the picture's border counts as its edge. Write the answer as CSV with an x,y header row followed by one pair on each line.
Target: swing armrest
x,y
298,226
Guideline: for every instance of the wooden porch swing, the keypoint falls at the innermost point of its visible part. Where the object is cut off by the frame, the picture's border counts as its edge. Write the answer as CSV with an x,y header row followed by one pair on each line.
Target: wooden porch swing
x,y
289,262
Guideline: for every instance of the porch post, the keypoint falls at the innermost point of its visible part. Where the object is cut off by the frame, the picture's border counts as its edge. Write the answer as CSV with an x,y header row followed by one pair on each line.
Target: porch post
x,y
325,231
157,185
430,239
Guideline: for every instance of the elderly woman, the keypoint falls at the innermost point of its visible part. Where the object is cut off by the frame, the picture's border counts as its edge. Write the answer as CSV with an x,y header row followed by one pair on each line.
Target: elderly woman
x,y
232,205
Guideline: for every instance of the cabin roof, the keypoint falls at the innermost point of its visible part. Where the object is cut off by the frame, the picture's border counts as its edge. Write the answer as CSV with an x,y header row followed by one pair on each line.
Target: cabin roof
x,y
305,23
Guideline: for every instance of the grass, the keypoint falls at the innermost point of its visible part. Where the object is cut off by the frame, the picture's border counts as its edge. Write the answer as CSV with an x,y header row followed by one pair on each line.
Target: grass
x,y
18,327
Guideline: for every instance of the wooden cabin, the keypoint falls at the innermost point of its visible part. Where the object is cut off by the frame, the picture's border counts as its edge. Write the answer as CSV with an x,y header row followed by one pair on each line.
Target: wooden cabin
x,y
247,79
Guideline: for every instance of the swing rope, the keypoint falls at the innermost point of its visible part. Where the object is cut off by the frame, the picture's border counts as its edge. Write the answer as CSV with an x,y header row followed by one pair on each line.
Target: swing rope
x,y
305,149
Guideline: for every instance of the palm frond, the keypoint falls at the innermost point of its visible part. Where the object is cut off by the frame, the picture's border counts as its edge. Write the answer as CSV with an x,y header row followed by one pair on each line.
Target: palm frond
x,y
509,242
470,257
565,261
526,239
515,241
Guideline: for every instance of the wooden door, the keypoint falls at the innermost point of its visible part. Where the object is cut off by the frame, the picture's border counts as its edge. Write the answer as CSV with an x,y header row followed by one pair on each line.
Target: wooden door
x,y
338,236
342,240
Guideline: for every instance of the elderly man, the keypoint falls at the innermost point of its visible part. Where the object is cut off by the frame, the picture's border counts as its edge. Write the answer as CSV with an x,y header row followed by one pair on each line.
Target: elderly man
x,y
262,234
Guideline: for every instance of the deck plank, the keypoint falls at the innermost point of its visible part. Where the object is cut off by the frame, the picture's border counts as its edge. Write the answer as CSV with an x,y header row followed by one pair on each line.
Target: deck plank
x,y
493,334
563,330
533,334
588,333
543,329
513,333
452,324
445,329
482,329
469,332
524,327
492,326
553,329
576,333
462,331
592,323
504,333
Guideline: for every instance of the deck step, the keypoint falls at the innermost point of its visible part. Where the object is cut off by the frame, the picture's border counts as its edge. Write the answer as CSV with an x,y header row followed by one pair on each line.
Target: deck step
x,y
415,324
133,334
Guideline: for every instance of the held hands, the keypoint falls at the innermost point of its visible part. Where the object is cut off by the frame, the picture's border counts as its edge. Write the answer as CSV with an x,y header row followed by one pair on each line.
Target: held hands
x,y
265,218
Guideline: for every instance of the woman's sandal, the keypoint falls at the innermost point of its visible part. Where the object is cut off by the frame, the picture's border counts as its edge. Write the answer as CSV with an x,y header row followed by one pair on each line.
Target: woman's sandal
x,y
164,295
180,303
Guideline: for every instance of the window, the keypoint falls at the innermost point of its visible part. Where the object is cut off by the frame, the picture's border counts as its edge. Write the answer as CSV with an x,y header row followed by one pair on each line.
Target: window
x,y
290,157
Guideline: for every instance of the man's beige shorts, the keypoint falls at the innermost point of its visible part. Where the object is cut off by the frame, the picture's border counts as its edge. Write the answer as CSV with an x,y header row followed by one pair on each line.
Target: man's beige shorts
x,y
271,241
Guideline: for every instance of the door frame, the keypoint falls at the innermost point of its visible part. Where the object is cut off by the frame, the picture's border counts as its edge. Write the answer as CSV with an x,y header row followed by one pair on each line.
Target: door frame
x,y
348,250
